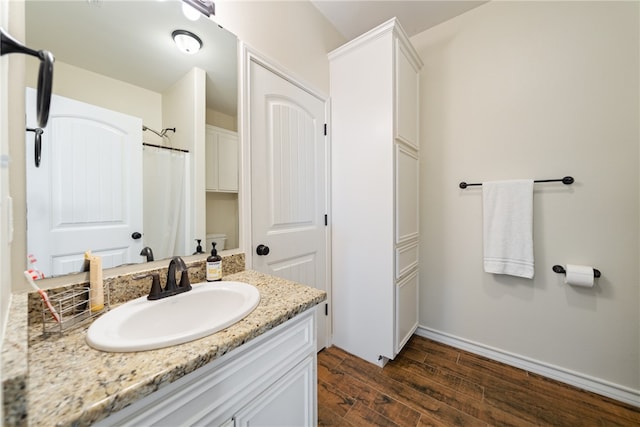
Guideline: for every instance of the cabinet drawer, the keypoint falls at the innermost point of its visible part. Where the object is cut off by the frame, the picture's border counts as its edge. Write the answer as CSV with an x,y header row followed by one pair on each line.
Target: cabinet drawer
x,y
406,259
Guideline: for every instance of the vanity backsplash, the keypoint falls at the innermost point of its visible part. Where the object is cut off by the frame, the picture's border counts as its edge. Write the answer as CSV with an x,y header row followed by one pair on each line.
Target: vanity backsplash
x,y
123,288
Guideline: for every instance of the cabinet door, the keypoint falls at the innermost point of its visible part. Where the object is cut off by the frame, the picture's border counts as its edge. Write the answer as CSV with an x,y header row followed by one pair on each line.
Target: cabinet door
x,y
406,108
406,309
273,369
227,162
407,195
211,160
288,402
221,151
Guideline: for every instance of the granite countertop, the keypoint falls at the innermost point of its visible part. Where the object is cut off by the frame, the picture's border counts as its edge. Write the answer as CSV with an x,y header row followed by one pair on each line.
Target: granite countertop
x,y
69,383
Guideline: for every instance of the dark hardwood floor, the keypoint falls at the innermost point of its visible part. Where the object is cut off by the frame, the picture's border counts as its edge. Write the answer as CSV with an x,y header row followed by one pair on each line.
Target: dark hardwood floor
x,y
431,384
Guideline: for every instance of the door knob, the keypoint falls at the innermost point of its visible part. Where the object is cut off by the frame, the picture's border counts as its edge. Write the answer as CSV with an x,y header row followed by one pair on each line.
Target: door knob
x,y
262,250
136,235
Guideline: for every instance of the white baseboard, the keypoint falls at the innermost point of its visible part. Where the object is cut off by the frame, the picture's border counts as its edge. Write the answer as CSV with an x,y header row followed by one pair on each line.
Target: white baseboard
x,y
576,379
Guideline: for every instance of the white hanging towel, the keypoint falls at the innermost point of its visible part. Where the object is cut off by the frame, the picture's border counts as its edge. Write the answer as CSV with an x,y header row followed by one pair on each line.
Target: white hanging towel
x,y
508,227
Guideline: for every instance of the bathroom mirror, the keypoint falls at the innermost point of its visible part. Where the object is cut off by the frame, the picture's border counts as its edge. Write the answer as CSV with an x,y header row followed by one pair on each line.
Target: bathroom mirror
x,y
131,43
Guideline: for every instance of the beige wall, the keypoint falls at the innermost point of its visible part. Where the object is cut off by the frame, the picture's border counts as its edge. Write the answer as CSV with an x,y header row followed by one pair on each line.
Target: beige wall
x,y
12,123
221,120
223,217
292,33
11,19
535,90
96,89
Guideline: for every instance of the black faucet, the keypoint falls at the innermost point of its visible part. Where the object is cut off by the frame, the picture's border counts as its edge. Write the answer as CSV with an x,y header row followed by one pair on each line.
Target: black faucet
x,y
171,288
146,251
184,285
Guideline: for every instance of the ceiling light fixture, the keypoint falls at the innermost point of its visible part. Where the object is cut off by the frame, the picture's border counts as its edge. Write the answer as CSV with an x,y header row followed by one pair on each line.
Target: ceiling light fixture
x,y
187,41
206,7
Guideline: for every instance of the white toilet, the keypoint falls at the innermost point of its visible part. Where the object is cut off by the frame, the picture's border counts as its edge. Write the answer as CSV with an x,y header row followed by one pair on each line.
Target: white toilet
x,y
220,240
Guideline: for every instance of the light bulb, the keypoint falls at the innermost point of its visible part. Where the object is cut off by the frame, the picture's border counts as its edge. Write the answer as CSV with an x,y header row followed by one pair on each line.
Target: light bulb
x,y
190,12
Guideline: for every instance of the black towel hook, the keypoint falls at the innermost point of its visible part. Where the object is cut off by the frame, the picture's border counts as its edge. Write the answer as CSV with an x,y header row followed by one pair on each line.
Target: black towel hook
x,y
45,74
37,143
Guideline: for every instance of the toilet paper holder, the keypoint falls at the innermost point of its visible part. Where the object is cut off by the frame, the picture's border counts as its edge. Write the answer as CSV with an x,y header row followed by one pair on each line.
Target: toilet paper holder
x,y
560,269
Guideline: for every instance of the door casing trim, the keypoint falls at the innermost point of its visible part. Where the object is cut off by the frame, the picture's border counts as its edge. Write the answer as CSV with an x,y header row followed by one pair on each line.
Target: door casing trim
x,y
247,55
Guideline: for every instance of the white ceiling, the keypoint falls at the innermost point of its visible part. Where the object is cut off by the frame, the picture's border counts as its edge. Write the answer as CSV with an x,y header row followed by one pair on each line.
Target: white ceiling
x,y
354,17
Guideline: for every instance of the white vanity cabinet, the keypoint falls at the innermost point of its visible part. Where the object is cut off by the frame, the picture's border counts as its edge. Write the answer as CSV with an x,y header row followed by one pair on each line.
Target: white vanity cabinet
x,y
270,380
375,195
221,151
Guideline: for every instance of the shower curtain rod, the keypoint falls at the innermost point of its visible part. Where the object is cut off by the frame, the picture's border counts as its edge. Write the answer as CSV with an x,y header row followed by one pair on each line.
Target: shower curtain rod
x,y
161,134
165,148
567,180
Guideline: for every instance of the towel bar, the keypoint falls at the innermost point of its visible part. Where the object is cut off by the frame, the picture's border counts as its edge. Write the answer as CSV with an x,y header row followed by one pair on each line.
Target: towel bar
x,y
567,180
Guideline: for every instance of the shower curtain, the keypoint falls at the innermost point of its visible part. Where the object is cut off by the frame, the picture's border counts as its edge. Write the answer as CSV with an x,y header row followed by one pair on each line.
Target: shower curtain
x,y
166,201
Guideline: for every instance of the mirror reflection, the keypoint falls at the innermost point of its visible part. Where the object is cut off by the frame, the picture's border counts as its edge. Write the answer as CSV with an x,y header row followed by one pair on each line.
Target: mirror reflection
x,y
116,62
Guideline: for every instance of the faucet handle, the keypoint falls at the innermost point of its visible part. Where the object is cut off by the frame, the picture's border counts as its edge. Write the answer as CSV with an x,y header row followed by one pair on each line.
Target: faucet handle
x,y
156,289
184,277
184,280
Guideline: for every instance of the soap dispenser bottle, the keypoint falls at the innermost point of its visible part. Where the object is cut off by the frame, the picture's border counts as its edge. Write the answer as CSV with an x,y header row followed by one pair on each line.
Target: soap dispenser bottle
x,y
198,248
214,265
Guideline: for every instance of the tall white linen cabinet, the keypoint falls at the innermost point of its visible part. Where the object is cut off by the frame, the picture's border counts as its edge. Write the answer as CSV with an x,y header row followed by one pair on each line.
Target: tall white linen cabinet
x,y
374,191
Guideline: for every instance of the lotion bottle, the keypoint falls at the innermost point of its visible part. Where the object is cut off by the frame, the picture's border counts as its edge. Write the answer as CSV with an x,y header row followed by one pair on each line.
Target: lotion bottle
x,y
214,265
96,289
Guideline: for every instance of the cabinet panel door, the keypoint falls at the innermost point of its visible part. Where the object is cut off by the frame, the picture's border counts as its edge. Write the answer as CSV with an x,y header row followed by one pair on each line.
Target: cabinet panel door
x,y
406,111
227,162
221,164
288,402
406,309
407,164
211,160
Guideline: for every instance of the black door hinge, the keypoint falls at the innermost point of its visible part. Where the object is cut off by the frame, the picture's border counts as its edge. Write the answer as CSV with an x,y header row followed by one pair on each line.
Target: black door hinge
x,y
326,309
325,129
326,220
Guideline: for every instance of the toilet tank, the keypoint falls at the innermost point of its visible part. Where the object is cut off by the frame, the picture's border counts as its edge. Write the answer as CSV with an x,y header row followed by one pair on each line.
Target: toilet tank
x,y
220,240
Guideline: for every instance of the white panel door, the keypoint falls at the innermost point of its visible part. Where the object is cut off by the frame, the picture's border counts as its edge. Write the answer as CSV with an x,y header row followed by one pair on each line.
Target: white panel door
x,y
288,183
87,192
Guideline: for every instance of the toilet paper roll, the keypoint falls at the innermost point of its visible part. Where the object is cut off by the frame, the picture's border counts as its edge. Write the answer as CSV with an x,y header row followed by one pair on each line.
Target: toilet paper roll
x,y
579,275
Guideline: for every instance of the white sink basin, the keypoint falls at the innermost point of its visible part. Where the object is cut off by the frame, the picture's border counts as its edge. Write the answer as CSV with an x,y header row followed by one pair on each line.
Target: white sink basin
x,y
141,324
